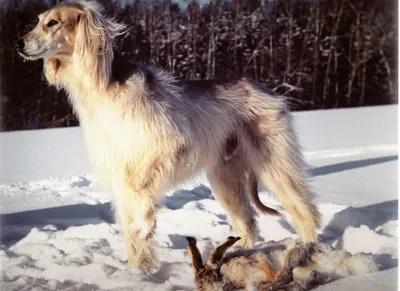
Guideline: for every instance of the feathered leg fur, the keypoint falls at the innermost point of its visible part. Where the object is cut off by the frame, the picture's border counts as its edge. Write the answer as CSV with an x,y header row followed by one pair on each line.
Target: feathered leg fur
x,y
274,155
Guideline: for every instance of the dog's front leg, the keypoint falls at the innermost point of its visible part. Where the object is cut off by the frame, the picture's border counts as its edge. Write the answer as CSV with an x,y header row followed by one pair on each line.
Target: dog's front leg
x,y
136,211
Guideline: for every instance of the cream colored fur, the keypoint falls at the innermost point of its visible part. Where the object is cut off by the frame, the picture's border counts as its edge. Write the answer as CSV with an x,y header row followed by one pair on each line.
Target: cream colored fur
x,y
145,132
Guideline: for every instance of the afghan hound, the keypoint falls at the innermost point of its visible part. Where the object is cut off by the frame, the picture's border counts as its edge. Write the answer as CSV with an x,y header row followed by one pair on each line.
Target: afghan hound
x,y
146,132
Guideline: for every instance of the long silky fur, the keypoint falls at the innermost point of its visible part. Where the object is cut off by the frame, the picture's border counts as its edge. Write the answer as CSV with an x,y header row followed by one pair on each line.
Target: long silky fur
x,y
149,132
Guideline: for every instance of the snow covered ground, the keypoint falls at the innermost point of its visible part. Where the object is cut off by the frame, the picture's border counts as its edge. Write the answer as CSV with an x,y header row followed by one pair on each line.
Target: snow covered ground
x,y
58,232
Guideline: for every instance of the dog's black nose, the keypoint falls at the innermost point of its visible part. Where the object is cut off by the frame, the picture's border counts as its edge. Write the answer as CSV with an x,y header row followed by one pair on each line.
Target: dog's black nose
x,y
20,45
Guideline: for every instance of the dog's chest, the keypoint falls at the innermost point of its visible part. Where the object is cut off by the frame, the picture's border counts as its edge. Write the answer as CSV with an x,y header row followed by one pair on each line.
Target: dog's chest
x,y
112,138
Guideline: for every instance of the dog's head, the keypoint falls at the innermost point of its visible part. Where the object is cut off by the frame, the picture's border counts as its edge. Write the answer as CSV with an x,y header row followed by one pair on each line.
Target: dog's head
x,y
54,35
68,28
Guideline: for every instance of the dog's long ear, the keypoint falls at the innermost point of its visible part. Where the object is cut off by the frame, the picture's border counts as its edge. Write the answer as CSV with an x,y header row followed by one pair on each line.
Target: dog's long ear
x,y
94,43
51,66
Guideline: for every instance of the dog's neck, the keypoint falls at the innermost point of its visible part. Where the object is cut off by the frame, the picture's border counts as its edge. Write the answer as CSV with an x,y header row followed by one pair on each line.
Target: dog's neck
x,y
68,73
83,85
89,72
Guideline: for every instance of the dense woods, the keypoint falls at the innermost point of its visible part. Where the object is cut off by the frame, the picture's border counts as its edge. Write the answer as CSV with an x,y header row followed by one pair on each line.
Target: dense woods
x,y
320,54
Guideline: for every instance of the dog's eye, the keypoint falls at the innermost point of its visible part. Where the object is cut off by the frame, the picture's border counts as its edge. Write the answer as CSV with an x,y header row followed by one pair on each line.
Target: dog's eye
x,y
52,23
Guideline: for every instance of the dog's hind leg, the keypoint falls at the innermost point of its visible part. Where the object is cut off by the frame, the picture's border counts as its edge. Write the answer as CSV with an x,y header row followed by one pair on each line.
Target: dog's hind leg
x,y
228,182
275,158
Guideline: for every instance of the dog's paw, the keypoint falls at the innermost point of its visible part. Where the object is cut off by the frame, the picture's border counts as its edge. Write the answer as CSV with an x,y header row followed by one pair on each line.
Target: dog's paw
x,y
143,258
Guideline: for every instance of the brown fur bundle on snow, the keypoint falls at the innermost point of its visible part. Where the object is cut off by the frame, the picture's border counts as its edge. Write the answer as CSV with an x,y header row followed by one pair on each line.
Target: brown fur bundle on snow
x,y
301,266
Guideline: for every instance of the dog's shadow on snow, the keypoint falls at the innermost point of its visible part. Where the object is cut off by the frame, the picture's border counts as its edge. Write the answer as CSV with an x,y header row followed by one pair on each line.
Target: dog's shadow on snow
x,y
181,197
350,165
15,226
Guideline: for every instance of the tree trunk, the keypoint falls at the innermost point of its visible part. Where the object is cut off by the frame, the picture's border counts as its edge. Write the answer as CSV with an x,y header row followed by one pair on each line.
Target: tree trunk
x,y
331,48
